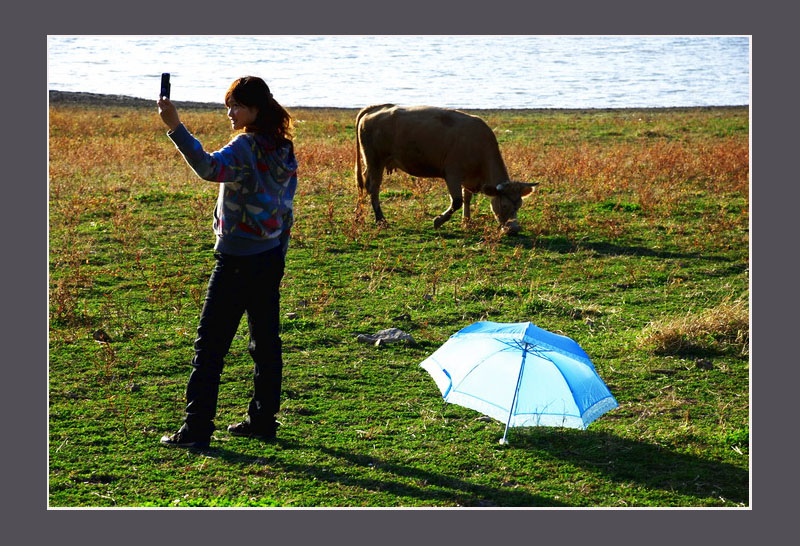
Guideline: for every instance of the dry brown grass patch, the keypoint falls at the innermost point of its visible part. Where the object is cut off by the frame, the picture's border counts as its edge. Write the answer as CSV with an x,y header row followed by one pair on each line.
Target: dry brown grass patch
x,y
717,329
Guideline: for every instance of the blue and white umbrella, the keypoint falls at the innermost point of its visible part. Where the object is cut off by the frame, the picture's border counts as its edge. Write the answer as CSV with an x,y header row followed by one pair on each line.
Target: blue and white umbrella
x,y
520,375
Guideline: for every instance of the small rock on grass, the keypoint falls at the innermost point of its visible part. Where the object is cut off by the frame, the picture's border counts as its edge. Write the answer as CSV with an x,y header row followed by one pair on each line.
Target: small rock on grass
x,y
101,336
704,364
383,337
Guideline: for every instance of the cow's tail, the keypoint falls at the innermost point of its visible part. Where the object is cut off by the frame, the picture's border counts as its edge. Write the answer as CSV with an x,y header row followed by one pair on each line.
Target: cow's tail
x,y
359,167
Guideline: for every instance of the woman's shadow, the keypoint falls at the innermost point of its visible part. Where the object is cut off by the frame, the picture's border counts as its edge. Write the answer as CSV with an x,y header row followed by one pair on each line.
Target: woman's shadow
x,y
425,485
619,459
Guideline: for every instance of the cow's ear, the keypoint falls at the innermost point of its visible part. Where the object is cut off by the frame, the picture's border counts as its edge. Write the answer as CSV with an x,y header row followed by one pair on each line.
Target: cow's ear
x,y
491,191
526,191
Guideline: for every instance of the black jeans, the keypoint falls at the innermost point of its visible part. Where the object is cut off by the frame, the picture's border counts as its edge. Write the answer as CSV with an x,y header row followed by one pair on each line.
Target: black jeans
x,y
238,285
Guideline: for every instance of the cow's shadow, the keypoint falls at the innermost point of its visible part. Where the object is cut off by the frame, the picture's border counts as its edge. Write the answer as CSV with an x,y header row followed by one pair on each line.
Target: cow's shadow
x,y
554,243
565,245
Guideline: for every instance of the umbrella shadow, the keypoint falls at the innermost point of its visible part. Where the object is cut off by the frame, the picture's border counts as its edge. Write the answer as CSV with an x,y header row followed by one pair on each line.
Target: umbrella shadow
x,y
649,465
411,482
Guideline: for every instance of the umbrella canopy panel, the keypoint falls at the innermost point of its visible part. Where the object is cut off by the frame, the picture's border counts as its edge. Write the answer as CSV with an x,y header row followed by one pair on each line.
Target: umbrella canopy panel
x,y
479,376
558,391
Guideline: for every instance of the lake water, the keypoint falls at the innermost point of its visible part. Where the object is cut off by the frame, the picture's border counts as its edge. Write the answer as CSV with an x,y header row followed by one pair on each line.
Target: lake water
x,y
449,71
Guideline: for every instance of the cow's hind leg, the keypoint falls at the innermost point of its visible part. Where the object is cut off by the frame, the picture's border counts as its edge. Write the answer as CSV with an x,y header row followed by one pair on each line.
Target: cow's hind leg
x,y
454,187
373,186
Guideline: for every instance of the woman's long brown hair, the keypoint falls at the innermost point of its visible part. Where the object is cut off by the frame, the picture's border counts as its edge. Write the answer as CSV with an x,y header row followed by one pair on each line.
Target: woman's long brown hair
x,y
272,119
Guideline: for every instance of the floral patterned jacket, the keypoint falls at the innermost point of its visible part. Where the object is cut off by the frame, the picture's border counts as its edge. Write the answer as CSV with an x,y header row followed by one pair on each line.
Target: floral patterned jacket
x,y
258,179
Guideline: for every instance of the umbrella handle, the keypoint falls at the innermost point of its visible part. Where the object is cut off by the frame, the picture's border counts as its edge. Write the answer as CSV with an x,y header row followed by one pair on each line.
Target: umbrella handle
x,y
503,440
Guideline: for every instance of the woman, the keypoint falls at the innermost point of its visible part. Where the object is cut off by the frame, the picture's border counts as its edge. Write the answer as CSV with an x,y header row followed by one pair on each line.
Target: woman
x,y
256,172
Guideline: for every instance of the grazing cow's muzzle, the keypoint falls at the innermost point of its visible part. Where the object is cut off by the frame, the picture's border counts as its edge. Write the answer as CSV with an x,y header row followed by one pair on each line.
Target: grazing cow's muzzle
x,y
505,209
512,227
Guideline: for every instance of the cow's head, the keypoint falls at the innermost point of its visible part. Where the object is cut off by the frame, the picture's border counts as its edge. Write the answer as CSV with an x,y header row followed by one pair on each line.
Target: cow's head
x,y
506,201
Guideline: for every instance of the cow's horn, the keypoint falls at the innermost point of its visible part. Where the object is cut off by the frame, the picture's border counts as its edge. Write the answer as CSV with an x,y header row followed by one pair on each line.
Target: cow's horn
x,y
505,185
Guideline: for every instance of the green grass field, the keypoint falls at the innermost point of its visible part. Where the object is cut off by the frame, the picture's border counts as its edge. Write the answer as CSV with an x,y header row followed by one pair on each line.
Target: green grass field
x,y
636,246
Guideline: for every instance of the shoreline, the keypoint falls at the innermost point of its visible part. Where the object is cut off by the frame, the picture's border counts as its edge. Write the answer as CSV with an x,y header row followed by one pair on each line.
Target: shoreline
x,y
79,98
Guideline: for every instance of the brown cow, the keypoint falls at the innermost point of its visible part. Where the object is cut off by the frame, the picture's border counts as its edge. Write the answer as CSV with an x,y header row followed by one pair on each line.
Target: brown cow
x,y
430,142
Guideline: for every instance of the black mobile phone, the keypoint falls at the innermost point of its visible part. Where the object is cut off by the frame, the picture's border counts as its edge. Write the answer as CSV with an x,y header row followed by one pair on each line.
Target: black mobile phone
x,y
165,85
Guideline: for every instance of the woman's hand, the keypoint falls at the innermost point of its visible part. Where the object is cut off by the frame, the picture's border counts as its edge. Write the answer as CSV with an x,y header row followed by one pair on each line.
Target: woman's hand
x,y
168,113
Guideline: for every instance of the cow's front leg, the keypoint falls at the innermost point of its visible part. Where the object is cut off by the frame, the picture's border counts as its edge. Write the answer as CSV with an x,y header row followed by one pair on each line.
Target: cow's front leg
x,y
467,197
376,207
454,187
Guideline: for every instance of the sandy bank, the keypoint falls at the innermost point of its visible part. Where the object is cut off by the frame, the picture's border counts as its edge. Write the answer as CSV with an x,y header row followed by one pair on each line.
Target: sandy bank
x,y
101,100
97,99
